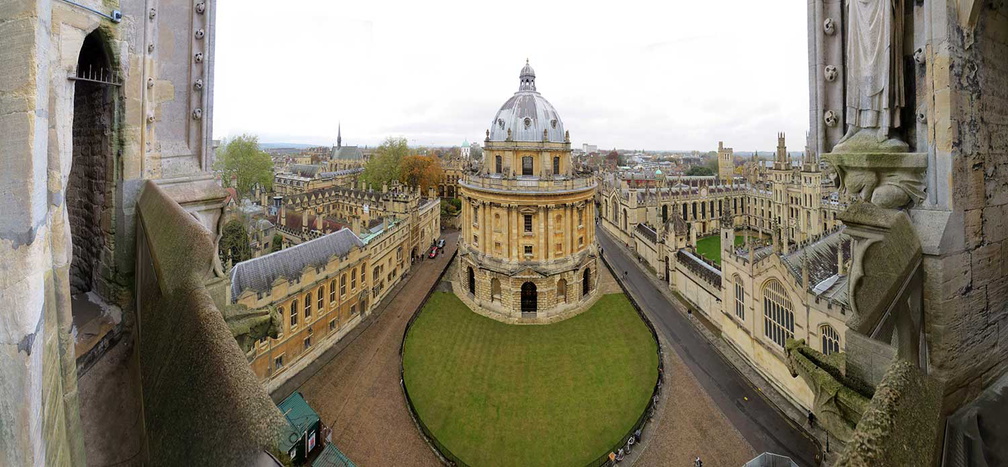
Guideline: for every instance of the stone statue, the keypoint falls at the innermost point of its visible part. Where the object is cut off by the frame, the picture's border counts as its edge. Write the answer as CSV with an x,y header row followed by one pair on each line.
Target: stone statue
x,y
875,94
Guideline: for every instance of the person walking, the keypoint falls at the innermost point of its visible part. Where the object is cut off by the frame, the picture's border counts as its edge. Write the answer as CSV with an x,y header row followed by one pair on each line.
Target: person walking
x,y
698,462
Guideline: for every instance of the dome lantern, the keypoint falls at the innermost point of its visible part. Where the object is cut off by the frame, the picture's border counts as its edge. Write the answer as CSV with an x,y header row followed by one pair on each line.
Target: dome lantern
x,y
527,78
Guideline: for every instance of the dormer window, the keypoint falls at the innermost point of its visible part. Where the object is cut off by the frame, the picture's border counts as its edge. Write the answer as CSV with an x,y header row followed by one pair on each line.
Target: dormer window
x,y
528,122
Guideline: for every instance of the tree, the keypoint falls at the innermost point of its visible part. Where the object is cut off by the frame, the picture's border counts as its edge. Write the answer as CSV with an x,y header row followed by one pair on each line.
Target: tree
x,y
384,165
476,153
699,170
420,171
277,243
234,243
242,165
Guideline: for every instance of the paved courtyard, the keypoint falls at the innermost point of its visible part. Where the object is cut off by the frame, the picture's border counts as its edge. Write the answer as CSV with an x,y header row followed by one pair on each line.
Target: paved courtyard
x,y
357,393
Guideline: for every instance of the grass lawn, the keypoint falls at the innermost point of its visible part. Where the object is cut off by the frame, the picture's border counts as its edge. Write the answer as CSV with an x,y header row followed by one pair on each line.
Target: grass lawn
x,y
710,246
557,394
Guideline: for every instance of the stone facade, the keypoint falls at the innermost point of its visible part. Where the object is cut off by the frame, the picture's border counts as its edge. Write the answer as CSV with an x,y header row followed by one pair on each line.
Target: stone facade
x,y
527,248
78,144
796,198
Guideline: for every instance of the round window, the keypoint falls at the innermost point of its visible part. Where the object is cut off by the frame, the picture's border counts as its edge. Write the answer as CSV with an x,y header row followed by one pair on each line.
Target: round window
x,y
528,122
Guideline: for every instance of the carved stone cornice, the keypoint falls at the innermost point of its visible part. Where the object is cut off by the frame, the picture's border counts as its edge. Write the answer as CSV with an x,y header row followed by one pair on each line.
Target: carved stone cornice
x,y
888,180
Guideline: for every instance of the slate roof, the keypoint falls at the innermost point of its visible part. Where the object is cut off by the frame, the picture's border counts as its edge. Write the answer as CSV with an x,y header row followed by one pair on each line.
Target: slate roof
x,y
305,170
259,273
347,153
822,264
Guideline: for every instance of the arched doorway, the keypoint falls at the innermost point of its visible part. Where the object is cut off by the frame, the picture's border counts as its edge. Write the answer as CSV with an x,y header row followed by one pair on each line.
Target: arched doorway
x,y
89,190
472,281
529,298
561,291
495,290
90,195
586,282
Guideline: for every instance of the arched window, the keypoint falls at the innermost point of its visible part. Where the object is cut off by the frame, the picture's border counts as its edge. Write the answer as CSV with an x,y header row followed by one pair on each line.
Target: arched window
x,y
342,285
739,298
527,165
664,213
586,282
294,313
307,306
561,291
830,339
321,297
556,165
624,220
353,275
472,281
332,292
497,163
778,315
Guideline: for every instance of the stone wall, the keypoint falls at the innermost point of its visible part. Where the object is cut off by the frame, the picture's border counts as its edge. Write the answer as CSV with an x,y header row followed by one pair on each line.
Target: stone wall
x,y
87,192
966,291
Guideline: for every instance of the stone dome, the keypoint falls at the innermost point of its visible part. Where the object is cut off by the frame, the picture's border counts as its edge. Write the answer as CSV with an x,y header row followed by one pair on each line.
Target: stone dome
x,y
527,113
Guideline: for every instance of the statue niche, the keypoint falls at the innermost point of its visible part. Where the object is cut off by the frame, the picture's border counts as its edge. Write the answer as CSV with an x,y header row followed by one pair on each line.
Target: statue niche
x,y
872,160
875,90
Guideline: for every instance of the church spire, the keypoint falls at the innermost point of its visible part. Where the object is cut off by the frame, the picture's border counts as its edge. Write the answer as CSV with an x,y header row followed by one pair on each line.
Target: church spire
x,y
339,135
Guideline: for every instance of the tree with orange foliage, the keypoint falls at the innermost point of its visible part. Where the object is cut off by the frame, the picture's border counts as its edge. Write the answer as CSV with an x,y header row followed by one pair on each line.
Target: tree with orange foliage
x,y
422,171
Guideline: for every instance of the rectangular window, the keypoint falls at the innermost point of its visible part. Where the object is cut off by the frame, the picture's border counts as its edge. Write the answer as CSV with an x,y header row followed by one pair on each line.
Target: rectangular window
x,y
332,325
580,241
497,162
307,342
528,250
278,362
342,285
556,165
475,239
353,309
527,165
528,223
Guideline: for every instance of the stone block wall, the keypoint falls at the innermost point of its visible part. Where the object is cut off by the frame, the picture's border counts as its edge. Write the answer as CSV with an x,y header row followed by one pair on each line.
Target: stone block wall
x,y
87,193
966,294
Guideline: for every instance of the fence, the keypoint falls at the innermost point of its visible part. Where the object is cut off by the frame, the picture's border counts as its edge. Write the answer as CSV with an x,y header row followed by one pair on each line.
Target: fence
x,y
450,458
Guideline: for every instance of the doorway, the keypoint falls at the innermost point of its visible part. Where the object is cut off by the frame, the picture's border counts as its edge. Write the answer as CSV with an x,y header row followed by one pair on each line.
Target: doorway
x,y
529,298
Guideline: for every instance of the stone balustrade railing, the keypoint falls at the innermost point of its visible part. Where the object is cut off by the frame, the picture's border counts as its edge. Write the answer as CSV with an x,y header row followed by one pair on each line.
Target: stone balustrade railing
x,y
528,183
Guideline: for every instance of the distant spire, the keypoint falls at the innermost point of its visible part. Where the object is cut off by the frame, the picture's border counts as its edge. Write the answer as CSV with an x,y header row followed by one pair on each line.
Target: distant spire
x,y
339,135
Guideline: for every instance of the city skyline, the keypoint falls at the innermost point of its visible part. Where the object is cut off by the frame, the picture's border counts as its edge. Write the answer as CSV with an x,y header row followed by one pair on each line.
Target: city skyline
x,y
644,77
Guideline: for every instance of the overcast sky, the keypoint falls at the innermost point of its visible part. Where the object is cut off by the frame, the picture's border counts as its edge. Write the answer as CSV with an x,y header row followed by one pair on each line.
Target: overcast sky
x,y
646,75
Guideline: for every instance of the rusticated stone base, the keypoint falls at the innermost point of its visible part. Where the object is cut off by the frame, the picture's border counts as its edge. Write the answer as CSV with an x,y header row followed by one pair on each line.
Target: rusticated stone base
x,y
498,294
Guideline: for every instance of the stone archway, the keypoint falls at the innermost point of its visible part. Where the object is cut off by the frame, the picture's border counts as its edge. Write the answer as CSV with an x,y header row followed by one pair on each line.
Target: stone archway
x,y
561,291
529,298
586,282
90,196
472,281
495,290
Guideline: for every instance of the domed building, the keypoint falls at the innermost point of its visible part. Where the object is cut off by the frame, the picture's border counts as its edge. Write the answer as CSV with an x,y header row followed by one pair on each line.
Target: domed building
x,y
527,250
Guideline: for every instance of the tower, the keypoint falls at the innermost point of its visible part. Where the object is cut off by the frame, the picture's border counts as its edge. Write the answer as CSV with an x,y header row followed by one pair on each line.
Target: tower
x,y
527,248
726,162
339,136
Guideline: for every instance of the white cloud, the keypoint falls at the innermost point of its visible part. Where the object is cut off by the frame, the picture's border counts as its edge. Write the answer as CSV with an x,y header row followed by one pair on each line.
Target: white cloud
x,y
654,75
